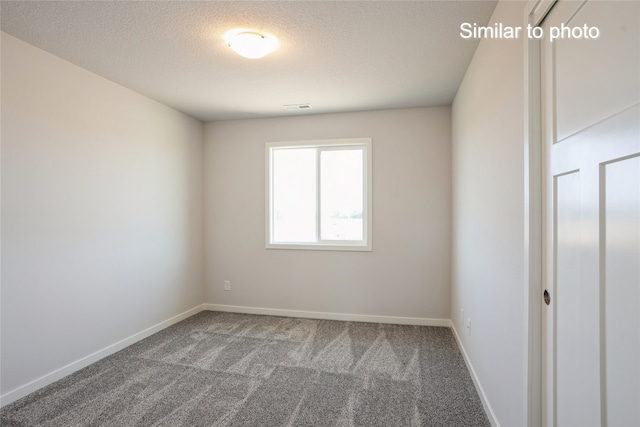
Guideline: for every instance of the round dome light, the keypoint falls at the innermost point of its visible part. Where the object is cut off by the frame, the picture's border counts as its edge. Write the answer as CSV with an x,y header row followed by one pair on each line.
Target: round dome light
x,y
251,45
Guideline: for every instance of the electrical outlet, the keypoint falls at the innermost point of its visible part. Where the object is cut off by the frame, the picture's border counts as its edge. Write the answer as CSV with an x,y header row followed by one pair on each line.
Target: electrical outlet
x,y
227,285
469,327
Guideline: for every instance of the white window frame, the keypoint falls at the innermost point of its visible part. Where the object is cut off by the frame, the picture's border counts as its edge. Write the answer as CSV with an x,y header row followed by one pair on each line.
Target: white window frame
x,y
323,245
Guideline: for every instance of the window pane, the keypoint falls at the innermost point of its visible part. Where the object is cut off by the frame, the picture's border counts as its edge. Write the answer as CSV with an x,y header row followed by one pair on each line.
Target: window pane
x,y
341,194
294,195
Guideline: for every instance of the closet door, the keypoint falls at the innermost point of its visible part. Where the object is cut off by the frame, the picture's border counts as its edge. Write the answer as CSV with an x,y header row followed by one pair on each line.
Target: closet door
x,y
591,115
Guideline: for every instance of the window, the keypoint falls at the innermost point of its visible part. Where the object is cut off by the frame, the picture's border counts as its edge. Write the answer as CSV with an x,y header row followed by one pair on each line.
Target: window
x,y
319,195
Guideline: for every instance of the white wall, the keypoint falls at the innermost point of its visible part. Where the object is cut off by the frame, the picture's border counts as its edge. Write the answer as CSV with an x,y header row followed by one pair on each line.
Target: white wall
x,y
101,214
488,218
408,272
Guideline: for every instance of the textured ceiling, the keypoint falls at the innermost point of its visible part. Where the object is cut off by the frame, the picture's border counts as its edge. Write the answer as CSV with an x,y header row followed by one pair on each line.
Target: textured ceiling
x,y
336,55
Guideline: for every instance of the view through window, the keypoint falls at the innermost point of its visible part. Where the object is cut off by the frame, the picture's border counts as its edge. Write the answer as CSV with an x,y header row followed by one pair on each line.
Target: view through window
x,y
319,194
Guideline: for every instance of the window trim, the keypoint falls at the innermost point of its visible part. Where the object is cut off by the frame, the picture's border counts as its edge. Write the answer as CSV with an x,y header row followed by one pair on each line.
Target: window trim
x,y
367,214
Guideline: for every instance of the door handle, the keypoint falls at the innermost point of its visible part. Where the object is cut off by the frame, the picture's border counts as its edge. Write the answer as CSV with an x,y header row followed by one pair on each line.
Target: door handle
x,y
546,297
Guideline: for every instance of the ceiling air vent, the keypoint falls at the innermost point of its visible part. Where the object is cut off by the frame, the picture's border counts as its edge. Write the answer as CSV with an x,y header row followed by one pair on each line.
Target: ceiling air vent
x,y
298,107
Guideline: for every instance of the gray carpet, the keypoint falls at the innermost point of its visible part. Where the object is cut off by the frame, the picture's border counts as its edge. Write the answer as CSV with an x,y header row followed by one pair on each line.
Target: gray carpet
x,y
226,369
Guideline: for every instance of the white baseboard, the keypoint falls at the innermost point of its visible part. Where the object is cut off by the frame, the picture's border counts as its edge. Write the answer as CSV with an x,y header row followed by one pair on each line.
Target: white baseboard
x,y
72,367
476,380
421,321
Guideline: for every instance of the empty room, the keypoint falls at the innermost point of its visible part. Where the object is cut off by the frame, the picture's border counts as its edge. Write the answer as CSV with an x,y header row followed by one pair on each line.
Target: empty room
x,y
320,213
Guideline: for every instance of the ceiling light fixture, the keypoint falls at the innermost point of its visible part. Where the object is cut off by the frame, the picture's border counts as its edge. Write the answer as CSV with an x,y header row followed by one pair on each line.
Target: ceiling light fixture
x,y
250,44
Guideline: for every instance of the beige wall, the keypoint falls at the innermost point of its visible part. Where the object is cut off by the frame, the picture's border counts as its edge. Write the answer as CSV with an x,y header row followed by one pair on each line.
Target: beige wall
x,y
406,275
101,214
488,218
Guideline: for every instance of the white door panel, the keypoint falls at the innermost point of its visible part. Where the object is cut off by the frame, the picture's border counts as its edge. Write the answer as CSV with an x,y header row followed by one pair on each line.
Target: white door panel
x,y
591,121
573,326
596,78
621,292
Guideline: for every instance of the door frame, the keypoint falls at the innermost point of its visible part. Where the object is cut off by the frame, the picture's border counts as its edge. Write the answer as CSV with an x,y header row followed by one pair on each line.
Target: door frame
x,y
535,12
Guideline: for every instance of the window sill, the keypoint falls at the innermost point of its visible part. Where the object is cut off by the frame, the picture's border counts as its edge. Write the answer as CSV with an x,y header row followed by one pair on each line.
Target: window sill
x,y
321,247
